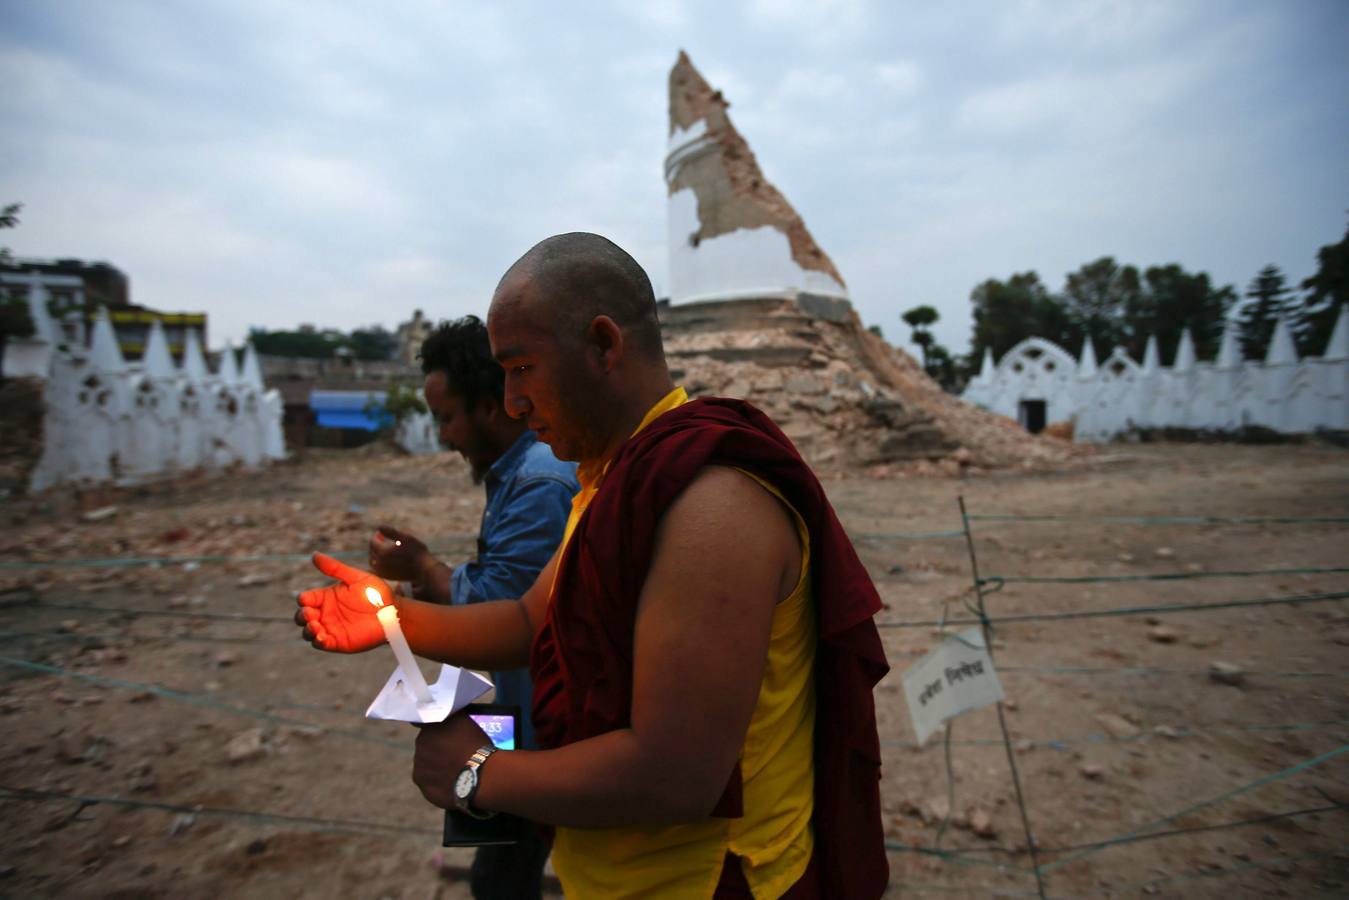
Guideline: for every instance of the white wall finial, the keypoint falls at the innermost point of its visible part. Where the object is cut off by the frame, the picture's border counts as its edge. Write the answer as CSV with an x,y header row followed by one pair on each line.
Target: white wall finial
x,y
1281,350
157,361
252,371
1338,345
1229,351
986,367
43,326
104,353
194,362
229,368
1185,357
1152,358
1086,363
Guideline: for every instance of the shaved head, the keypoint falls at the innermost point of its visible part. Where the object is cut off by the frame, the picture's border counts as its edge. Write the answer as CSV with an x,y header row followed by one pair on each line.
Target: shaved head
x,y
573,325
578,276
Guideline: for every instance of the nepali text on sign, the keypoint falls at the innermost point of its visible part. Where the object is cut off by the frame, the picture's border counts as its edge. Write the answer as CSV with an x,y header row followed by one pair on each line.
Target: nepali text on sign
x,y
955,678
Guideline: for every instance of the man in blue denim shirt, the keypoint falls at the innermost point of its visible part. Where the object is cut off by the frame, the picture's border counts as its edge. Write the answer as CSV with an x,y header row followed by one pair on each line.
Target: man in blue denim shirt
x,y
529,495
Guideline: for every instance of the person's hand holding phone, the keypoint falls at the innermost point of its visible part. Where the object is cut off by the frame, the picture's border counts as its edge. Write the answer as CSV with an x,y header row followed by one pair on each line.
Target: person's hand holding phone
x,y
442,750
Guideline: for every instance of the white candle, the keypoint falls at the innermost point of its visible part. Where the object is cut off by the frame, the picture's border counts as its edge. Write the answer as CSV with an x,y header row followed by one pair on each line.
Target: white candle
x,y
407,663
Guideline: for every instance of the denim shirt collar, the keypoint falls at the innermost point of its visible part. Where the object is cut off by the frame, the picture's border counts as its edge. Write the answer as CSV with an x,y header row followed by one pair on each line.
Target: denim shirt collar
x,y
508,462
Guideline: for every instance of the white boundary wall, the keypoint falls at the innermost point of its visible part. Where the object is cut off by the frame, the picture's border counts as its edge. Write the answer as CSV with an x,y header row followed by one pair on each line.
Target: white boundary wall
x,y
418,434
109,421
1281,393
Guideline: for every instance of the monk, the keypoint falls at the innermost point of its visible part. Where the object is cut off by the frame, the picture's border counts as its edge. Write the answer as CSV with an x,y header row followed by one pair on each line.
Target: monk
x,y
702,642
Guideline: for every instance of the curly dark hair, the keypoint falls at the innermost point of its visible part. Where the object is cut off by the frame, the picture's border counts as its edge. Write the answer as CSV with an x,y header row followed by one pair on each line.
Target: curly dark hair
x,y
462,351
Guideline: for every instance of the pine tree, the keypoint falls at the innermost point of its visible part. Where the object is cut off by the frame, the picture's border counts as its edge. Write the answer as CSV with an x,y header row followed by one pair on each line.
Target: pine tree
x,y
1327,290
1270,298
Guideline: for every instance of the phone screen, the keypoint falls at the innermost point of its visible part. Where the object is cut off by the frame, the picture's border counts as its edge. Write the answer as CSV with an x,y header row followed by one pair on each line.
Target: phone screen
x,y
500,729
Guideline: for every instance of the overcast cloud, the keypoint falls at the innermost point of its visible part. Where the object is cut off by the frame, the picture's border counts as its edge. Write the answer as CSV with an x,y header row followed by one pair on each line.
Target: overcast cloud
x,y
278,163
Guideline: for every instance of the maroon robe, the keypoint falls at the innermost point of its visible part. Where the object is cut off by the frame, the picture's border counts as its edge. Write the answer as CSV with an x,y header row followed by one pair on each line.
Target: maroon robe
x,y
582,657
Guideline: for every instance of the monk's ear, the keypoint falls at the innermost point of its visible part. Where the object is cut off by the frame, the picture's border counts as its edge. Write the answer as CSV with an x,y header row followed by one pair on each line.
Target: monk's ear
x,y
604,340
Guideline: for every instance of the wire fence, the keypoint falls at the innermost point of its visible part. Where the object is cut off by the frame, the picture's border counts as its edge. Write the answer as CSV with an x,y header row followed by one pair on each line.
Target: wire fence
x,y
1042,862
1037,865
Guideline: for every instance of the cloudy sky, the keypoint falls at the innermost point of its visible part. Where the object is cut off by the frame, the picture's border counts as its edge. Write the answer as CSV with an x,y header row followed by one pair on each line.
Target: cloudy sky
x,y
274,163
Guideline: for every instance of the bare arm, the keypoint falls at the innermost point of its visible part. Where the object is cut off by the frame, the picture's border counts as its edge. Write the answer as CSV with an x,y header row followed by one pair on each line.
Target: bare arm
x,y
492,635
495,635
724,552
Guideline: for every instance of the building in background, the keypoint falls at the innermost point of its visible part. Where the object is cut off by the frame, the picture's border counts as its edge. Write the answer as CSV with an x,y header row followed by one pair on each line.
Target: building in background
x,y
73,291
131,324
411,335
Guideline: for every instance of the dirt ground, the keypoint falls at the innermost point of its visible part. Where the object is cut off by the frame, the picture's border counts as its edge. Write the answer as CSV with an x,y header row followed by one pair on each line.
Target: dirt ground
x,y
230,759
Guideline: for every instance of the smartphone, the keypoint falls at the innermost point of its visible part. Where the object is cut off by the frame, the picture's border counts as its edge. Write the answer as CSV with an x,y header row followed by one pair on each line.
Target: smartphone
x,y
499,727
501,723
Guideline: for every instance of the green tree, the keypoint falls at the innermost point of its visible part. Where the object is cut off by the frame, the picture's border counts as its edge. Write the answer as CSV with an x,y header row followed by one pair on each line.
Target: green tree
x,y
306,342
1328,290
921,319
373,343
9,218
15,320
938,362
944,368
1008,312
1097,295
1270,299
401,400
1171,301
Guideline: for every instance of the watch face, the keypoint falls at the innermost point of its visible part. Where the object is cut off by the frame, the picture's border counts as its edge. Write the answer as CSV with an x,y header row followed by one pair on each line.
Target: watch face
x,y
463,785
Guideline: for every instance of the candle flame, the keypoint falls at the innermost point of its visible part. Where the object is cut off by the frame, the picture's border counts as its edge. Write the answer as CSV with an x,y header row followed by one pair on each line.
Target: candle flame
x,y
372,594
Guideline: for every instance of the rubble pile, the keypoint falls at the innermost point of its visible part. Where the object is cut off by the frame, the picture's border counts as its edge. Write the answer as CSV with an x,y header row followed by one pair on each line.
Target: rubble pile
x,y
846,397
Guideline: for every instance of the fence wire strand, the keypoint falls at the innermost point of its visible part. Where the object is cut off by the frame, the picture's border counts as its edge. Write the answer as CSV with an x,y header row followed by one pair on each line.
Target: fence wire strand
x,y
194,699
1171,520
1163,609
1135,839
1060,743
1303,766
1159,576
309,823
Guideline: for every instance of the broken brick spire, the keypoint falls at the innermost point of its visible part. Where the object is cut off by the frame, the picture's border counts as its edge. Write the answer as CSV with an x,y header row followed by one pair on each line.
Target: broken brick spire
x,y
732,233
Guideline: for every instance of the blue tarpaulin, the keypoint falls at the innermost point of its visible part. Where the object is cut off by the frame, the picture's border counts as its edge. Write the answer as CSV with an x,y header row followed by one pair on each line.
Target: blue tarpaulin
x,y
347,409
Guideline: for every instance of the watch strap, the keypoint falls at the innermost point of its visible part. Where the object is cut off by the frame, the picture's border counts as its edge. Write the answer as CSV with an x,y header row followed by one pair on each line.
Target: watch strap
x,y
474,764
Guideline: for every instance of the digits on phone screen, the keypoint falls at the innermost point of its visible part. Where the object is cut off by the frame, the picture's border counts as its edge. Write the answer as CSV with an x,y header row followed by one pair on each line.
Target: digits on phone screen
x,y
501,729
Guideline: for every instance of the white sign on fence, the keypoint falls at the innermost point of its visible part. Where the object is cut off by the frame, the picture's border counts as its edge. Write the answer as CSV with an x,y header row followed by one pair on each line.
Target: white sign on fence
x,y
955,678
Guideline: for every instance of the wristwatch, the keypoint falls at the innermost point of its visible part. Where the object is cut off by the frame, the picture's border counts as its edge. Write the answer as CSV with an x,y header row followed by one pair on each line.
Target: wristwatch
x,y
466,784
